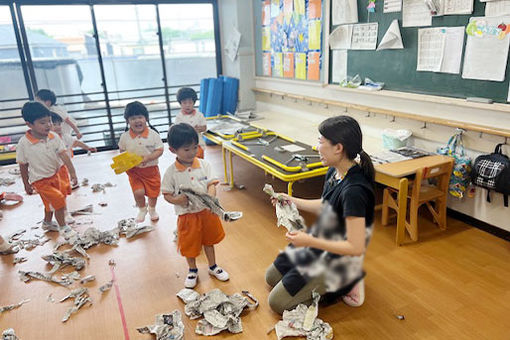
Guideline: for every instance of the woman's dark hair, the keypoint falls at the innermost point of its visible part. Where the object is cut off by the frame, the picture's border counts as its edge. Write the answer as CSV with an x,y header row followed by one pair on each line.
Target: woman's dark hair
x,y
47,95
186,93
181,135
345,130
137,109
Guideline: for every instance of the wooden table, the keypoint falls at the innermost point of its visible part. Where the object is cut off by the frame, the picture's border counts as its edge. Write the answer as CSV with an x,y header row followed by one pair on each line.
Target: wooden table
x,y
396,175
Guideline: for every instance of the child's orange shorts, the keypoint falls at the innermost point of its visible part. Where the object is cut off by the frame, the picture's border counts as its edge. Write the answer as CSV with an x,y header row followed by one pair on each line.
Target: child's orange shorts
x,y
51,193
65,183
196,230
148,179
200,152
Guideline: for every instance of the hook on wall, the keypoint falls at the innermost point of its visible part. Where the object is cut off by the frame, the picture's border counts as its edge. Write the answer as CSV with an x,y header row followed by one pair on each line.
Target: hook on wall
x,y
481,134
310,103
392,119
368,114
326,106
283,96
424,125
506,140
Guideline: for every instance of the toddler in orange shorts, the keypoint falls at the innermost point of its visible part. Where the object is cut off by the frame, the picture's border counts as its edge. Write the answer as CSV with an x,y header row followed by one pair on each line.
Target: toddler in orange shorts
x,y
144,179
196,227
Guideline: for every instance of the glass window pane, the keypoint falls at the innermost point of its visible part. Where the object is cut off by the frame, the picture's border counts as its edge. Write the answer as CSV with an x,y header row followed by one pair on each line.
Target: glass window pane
x,y
13,93
64,54
132,60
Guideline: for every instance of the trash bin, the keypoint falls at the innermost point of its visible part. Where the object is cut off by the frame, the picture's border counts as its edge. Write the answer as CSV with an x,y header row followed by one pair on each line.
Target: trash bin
x,y
394,139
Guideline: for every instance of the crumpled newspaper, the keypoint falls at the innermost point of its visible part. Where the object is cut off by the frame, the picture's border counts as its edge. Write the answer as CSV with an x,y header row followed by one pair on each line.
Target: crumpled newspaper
x,y
106,287
302,321
14,306
220,311
100,187
130,228
60,260
5,181
287,214
202,200
27,276
16,235
166,327
14,171
19,259
9,334
87,278
87,210
81,298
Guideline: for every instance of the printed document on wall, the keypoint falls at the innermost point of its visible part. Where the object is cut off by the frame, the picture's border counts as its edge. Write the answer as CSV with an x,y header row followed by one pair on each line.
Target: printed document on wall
x,y
415,13
391,6
340,38
344,12
339,65
497,8
453,49
364,36
431,42
458,7
486,48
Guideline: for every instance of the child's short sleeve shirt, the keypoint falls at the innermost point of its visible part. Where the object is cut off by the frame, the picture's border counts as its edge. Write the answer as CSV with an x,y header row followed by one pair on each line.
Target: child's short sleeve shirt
x,y
143,144
194,119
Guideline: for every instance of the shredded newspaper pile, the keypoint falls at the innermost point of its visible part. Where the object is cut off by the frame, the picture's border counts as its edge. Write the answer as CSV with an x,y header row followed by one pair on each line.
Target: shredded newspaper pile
x,y
220,311
9,334
302,321
200,201
66,279
286,212
81,298
166,327
60,260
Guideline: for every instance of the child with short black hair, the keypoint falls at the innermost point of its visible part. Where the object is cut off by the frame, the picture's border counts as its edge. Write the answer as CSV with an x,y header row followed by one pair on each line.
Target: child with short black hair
x,y
145,179
49,99
40,153
187,97
195,228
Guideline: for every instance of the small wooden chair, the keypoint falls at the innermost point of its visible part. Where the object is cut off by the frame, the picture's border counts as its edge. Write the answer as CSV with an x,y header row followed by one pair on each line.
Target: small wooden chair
x,y
420,193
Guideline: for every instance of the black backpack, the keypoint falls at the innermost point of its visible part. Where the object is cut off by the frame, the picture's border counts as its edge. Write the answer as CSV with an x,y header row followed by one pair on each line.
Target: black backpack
x,y
493,173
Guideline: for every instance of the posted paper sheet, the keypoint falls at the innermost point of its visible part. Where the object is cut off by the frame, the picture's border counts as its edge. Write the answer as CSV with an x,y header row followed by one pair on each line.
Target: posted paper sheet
x,y
344,12
392,6
364,36
415,14
339,65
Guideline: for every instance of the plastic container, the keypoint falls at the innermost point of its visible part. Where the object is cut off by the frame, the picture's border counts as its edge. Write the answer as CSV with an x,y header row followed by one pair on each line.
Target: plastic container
x,y
394,139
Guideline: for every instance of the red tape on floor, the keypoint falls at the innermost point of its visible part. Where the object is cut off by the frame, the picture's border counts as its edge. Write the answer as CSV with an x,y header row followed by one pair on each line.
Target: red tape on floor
x,y
119,303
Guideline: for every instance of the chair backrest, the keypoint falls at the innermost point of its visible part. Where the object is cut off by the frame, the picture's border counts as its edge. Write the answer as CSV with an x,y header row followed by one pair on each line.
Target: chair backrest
x,y
440,172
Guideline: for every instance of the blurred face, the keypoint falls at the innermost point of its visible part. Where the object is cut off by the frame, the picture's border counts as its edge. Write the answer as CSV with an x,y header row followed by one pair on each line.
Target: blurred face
x,y
187,105
186,154
41,127
46,103
329,154
137,123
57,127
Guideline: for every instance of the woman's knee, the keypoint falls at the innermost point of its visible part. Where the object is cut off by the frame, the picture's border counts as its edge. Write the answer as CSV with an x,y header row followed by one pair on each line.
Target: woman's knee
x,y
273,276
276,301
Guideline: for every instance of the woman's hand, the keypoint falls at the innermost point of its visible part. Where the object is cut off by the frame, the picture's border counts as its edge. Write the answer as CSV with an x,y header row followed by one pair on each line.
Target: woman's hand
x,y
299,238
282,198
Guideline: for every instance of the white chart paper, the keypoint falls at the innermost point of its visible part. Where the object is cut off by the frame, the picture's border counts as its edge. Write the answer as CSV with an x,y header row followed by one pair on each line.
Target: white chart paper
x,y
431,42
391,6
344,12
453,50
497,8
339,65
415,14
458,7
340,38
364,36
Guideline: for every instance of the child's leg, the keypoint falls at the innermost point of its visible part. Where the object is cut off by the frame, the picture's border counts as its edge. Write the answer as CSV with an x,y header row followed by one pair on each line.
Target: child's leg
x,y
139,195
211,256
192,263
152,202
48,215
214,269
60,217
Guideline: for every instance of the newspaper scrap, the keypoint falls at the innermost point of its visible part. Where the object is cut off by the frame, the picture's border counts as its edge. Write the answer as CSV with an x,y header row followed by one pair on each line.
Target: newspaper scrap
x,y
129,228
286,214
16,235
19,259
102,204
12,249
14,171
87,278
70,277
97,187
81,298
201,200
30,244
106,287
112,263
6,181
60,260
50,298
88,210
302,321
9,334
14,306
220,311
27,276
166,327
85,182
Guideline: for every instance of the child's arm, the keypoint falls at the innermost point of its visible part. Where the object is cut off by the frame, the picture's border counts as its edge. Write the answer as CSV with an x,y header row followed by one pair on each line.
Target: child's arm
x,y
23,169
211,189
200,128
181,199
152,156
74,127
67,161
80,144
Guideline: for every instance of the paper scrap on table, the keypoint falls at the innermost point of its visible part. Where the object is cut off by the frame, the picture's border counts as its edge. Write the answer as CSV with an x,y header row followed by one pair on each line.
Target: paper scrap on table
x,y
392,39
292,148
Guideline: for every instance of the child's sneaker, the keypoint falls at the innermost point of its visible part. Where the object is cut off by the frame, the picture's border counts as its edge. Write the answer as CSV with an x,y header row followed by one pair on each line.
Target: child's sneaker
x,y
356,296
219,273
153,214
191,280
142,212
49,226
68,218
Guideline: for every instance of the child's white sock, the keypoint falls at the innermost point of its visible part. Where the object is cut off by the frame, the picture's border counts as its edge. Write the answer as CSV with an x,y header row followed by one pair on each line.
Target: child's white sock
x,y
142,212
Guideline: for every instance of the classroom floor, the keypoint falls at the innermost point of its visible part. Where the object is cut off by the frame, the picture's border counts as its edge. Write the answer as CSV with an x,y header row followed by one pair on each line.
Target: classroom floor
x,y
451,284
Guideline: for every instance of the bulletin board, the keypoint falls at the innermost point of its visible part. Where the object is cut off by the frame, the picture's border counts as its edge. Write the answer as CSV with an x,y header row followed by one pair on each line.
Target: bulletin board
x,y
289,39
397,68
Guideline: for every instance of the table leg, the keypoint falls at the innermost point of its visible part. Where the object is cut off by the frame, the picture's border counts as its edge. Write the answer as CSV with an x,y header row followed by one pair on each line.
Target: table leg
x,y
402,210
223,154
231,169
289,188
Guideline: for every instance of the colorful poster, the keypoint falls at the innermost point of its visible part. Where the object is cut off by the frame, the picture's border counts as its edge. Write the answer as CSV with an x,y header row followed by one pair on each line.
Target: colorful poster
x,y
266,64
266,38
299,7
301,66
314,35
266,13
288,65
278,64
314,65
314,9
288,10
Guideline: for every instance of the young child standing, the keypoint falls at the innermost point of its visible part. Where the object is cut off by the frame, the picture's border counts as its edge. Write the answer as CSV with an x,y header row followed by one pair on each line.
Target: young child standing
x,y
145,179
40,154
195,228
187,97
49,99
